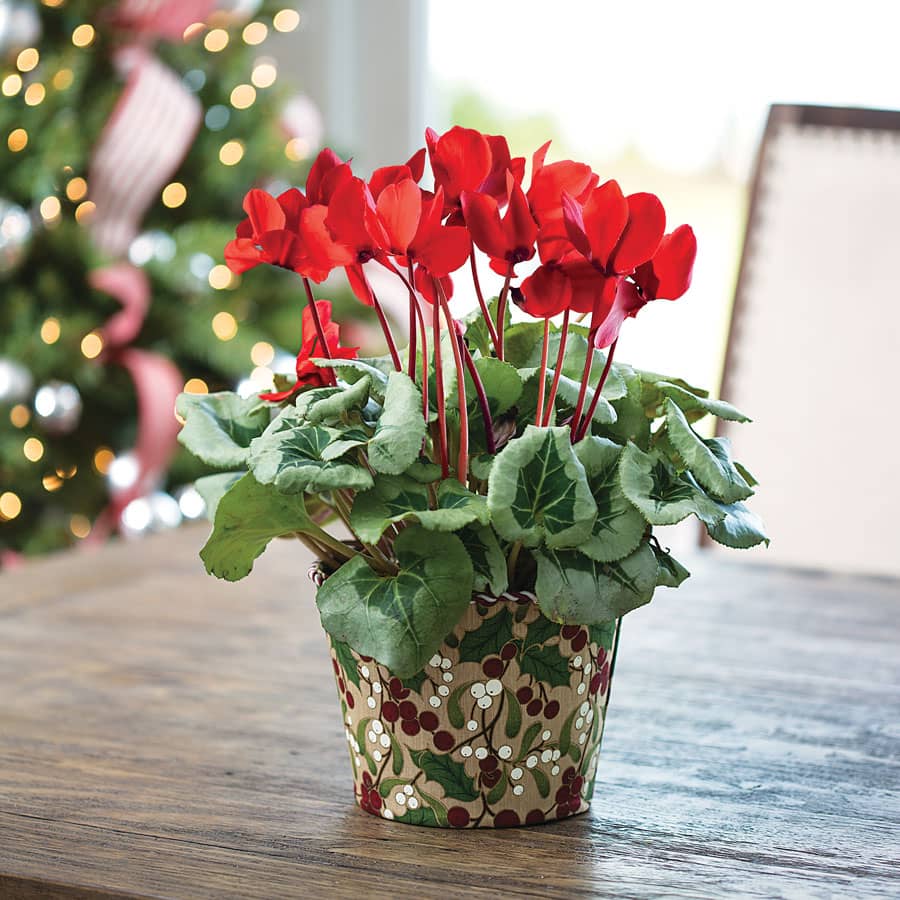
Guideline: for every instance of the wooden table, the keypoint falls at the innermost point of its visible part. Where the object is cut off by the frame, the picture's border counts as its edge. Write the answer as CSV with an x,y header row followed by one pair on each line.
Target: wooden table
x,y
166,735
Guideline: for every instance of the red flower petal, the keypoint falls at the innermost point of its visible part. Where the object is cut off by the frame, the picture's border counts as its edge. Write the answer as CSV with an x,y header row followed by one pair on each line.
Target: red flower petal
x,y
292,202
416,165
518,224
359,284
264,212
399,208
241,254
627,304
325,162
346,214
573,218
322,252
546,292
461,160
482,217
668,275
592,291
446,249
645,228
605,217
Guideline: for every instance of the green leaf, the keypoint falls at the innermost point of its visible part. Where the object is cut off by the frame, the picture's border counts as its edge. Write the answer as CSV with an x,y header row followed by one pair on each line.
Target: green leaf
x,y
438,808
423,471
400,620
290,457
330,405
538,491
421,816
671,573
398,498
540,631
396,755
448,773
414,682
565,733
519,342
488,639
498,790
343,441
353,370
619,527
571,587
545,664
218,428
528,738
514,715
709,461
540,779
477,334
740,528
388,784
454,707
401,428
604,634
690,402
488,560
662,496
501,382
249,515
213,487
631,422
346,661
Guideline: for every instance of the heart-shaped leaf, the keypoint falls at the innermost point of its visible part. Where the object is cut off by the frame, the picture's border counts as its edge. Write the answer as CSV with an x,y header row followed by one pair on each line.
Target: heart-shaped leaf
x,y
331,405
353,370
291,459
397,498
571,587
631,422
709,460
487,558
400,620
401,428
739,527
538,491
619,527
218,428
213,487
671,573
663,496
249,515
690,402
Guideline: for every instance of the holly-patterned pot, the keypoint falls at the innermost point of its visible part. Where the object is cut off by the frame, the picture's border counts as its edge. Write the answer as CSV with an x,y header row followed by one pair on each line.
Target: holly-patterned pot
x,y
502,727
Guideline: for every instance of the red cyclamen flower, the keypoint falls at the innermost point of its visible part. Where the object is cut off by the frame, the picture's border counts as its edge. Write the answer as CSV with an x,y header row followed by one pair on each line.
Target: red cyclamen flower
x,y
308,373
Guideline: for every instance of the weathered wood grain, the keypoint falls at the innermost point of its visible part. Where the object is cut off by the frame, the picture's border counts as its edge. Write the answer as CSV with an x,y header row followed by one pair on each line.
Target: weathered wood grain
x,y
166,735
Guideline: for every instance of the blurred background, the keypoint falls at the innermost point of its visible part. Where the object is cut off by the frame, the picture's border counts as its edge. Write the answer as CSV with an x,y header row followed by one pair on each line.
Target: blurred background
x,y
668,98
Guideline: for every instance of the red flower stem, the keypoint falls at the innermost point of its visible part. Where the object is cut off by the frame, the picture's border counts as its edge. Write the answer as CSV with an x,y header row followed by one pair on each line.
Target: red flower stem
x,y
563,336
413,332
542,383
389,337
585,377
439,390
462,460
317,323
482,397
501,313
421,318
583,430
484,308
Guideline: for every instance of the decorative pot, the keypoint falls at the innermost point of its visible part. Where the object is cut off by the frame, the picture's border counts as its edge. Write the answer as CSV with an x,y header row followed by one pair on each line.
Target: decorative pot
x,y
501,728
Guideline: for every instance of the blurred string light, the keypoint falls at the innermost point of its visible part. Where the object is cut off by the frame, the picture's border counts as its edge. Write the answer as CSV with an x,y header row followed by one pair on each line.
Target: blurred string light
x,y
27,59
33,449
196,386
91,345
174,194
10,506
84,211
216,40
262,353
296,149
194,79
11,85
51,482
76,189
194,29
53,4
220,277
231,153
255,33
286,20
34,94
17,140
224,326
83,35
50,330
80,526
63,79
217,117
264,73
67,472
243,96
103,458
19,415
50,209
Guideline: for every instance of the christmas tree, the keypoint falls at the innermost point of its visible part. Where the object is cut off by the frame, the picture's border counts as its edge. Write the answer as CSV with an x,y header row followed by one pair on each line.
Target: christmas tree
x,y
132,133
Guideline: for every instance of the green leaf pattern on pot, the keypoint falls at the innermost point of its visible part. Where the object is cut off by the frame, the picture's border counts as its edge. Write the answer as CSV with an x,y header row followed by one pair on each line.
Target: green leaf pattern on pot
x,y
502,728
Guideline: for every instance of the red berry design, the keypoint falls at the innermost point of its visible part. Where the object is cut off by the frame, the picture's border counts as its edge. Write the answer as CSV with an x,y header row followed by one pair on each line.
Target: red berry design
x,y
535,817
428,720
492,667
569,631
458,817
569,775
410,727
367,780
563,795
534,707
509,650
488,763
579,641
337,668
390,712
524,694
551,710
443,740
562,811
408,710
577,785
489,779
596,681
507,818
397,691
341,686
349,698
375,799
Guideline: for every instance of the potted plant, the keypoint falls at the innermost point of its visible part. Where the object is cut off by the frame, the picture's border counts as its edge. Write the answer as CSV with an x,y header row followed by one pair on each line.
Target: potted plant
x,y
495,484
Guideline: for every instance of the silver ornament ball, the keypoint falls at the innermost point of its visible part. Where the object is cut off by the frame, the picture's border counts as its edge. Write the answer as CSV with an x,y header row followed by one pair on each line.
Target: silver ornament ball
x,y
16,382
20,26
15,234
149,515
57,407
191,504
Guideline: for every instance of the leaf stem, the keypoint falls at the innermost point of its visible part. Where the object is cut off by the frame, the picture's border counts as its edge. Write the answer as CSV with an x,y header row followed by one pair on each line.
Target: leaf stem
x,y
482,397
462,463
513,562
583,429
484,307
501,312
389,337
542,382
563,337
439,388
317,324
585,377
